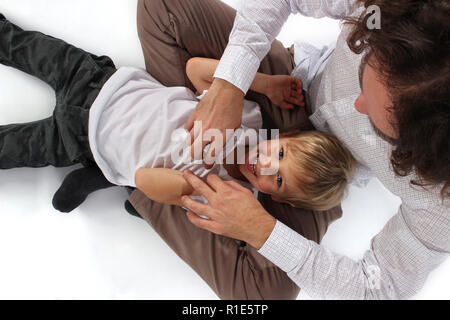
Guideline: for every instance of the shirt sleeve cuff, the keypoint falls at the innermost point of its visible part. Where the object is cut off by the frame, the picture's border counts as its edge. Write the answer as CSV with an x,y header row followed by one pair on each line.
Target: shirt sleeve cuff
x,y
286,248
238,66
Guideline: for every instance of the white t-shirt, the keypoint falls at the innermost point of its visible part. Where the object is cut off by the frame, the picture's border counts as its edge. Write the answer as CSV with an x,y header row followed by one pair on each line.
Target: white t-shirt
x,y
136,122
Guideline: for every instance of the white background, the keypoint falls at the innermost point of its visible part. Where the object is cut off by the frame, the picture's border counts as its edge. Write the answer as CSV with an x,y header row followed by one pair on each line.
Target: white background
x,y
99,251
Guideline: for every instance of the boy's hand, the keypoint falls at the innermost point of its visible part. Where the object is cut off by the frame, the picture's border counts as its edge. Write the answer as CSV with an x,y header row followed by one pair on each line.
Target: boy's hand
x,y
284,91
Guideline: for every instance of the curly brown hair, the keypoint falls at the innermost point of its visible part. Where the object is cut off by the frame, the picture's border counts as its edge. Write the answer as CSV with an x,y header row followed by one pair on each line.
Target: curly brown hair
x,y
412,56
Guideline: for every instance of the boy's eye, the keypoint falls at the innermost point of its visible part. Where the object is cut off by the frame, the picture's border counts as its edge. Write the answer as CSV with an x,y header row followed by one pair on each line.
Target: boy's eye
x,y
279,181
281,154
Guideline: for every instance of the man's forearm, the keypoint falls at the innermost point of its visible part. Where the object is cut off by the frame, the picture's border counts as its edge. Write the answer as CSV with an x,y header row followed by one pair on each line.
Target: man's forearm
x,y
395,267
318,271
201,73
257,24
250,41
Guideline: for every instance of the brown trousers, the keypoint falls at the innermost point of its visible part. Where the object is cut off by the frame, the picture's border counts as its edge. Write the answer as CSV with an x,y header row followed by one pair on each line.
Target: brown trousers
x,y
171,32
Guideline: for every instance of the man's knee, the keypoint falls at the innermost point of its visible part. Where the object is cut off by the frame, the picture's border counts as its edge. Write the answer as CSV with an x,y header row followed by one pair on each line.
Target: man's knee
x,y
151,5
162,8
147,9
156,7
154,16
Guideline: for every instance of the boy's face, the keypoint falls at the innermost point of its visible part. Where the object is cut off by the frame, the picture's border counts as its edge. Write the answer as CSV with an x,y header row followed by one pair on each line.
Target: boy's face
x,y
267,169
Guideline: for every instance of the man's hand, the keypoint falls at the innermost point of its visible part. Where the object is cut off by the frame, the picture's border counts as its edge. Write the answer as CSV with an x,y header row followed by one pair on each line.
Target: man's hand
x,y
284,91
233,210
221,109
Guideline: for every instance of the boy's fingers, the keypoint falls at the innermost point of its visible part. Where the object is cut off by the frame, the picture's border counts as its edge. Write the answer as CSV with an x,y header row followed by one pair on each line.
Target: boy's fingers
x,y
296,82
296,101
293,100
297,98
285,105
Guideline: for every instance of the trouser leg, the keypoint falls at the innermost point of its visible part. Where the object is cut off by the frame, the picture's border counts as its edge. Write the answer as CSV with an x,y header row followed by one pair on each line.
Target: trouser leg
x,y
35,144
66,68
75,75
231,268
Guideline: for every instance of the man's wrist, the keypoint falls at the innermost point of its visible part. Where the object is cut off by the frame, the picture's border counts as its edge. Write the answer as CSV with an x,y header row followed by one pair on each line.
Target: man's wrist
x,y
263,231
238,65
222,84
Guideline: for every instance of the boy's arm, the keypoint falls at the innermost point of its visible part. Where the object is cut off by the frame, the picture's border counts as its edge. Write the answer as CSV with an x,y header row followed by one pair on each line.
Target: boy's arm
x,y
163,185
282,90
201,72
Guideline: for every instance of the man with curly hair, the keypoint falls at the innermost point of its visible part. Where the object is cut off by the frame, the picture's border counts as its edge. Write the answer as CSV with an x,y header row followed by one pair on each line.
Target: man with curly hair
x,y
385,93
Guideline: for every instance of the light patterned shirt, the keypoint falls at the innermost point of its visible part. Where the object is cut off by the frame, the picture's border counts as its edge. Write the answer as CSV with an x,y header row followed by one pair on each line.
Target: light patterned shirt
x,y
413,242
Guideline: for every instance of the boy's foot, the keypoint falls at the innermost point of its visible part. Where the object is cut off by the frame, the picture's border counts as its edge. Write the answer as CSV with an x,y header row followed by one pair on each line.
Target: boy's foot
x,y
77,186
2,17
131,210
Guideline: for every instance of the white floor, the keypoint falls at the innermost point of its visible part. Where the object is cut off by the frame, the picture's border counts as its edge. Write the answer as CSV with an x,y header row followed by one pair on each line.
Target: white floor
x,y
99,251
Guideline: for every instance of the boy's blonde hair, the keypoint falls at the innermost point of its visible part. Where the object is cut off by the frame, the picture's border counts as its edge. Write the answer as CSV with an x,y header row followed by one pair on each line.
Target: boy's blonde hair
x,y
321,167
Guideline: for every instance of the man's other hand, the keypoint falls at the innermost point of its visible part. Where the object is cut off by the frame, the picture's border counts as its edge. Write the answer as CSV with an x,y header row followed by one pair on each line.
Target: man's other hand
x,y
233,210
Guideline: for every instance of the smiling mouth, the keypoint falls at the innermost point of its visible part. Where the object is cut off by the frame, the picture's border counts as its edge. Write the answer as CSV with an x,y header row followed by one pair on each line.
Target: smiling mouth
x,y
252,167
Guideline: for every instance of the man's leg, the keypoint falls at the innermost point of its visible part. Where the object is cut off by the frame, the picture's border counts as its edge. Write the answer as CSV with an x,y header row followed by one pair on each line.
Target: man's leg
x,y
171,32
231,268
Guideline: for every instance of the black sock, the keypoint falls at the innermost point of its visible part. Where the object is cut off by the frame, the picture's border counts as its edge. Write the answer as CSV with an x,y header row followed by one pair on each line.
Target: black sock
x,y
131,210
2,17
77,186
